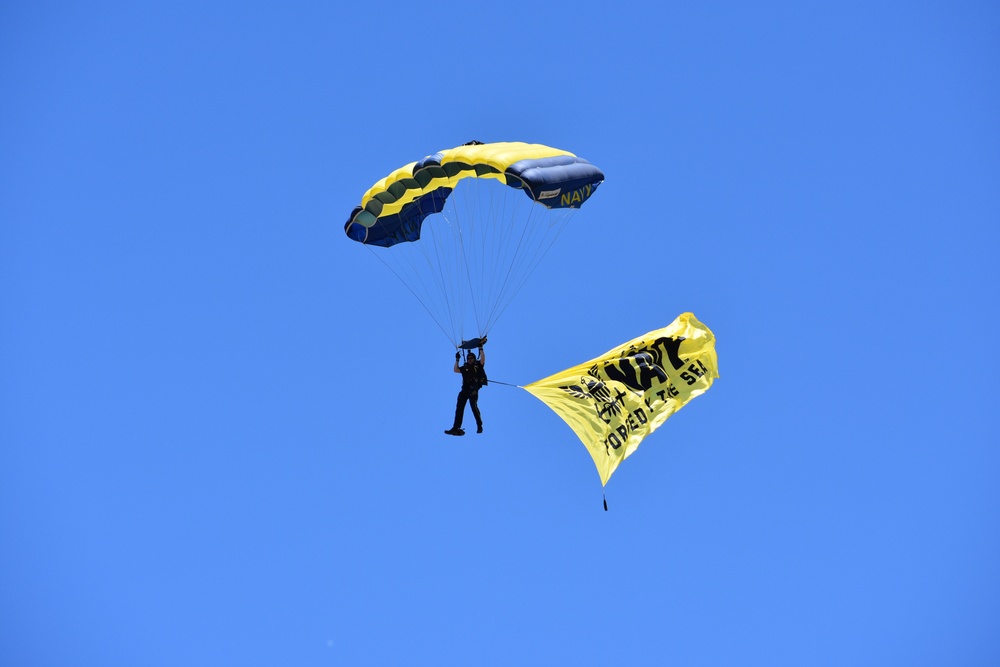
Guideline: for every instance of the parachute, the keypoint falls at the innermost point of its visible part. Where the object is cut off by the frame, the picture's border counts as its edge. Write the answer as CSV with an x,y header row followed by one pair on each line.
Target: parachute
x,y
464,228
614,401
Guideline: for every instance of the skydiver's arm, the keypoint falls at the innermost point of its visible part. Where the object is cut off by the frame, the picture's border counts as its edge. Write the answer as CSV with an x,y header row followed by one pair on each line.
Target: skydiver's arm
x,y
482,357
456,363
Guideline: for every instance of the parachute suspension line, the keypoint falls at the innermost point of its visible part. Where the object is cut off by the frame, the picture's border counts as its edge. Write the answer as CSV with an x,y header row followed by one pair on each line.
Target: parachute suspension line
x,y
488,232
469,220
476,220
507,254
530,227
491,251
413,262
491,238
541,248
485,221
436,300
504,258
487,240
412,291
516,274
447,256
530,263
428,268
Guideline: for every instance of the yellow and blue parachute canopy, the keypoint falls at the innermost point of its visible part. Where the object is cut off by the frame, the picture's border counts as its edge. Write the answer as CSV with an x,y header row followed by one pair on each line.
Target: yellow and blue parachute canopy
x,y
614,401
393,210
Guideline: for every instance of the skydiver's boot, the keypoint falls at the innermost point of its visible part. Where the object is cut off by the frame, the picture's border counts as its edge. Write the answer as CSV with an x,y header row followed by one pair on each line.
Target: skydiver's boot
x,y
455,431
479,428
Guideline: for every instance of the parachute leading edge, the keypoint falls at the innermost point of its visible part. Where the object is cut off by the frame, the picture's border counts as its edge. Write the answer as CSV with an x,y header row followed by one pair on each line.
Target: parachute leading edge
x,y
614,401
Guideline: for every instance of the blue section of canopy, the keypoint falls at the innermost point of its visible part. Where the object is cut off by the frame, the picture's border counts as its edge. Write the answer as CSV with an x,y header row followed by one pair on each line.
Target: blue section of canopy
x,y
403,226
562,175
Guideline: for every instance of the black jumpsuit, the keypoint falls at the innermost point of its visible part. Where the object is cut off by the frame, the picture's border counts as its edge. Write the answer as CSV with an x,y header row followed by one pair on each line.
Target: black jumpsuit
x,y
469,393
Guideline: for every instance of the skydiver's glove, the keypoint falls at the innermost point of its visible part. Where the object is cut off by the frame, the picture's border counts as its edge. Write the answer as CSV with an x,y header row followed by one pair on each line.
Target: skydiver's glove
x,y
458,355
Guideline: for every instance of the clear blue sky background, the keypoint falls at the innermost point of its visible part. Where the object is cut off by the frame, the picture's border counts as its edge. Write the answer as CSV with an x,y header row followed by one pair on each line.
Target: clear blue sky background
x,y
221,421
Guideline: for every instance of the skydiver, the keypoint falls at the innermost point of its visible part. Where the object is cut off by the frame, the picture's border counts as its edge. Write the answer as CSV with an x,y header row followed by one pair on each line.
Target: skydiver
x,y
473,377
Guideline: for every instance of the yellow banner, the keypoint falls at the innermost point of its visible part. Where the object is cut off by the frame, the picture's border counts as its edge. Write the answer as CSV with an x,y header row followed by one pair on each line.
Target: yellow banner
x,y
614,401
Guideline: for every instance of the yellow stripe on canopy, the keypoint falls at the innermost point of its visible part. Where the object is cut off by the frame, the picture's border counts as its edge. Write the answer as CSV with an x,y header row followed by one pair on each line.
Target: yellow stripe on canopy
x,y
497,156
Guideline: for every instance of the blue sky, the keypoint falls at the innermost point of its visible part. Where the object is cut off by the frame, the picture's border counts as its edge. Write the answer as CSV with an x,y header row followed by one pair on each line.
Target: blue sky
x,y
221,421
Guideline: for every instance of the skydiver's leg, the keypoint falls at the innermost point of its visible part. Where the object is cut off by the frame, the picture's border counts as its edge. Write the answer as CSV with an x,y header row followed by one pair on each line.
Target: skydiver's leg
x,y
474,404
460,410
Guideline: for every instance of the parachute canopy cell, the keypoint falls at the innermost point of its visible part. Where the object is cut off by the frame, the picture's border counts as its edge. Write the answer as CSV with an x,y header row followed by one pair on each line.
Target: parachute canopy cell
x,y
393,210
